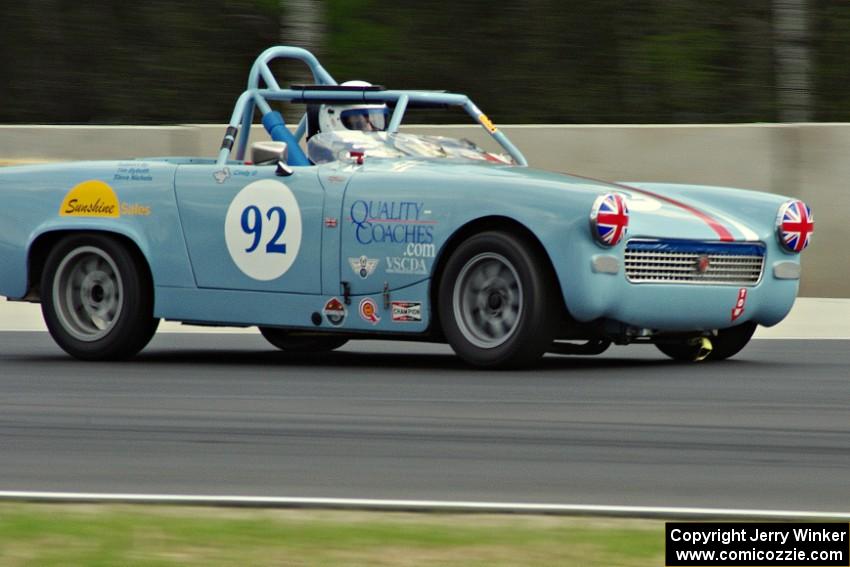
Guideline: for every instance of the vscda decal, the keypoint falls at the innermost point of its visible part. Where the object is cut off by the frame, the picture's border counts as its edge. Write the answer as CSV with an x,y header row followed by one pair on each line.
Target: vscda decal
x,y
391,222
415,266
262,229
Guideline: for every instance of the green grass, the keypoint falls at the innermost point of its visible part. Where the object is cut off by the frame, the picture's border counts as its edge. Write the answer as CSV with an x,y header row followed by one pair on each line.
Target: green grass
x,y
54,535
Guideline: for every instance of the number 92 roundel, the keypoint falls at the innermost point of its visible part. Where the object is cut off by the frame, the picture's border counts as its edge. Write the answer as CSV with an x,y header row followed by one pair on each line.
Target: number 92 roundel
x,y
263,229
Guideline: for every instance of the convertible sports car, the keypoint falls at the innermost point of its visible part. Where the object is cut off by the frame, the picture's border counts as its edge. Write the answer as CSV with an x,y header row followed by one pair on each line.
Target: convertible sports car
x,y
359,231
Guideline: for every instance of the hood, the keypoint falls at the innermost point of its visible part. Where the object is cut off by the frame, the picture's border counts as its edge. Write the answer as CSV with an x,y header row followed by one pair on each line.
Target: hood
x,y
656,210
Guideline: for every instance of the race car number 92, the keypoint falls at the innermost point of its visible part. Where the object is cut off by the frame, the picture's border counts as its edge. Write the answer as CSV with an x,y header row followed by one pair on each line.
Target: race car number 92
x,y
262,229
252,223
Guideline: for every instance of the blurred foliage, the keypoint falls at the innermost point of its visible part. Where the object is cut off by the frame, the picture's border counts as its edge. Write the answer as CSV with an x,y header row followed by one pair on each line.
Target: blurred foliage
x,y
108,62
831,38
557,61
538,61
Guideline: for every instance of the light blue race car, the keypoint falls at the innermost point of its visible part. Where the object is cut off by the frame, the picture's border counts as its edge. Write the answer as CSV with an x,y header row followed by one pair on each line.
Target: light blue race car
x,y
349,229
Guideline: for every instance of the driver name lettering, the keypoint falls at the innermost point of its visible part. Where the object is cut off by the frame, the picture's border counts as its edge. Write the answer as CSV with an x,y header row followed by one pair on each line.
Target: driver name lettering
x,y
142,173
391,222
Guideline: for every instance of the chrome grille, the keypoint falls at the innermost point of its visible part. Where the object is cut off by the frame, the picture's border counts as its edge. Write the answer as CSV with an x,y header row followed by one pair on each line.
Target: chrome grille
x,y
678,262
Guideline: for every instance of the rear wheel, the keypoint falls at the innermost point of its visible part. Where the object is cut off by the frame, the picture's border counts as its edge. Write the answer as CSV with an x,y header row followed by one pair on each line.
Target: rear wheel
x,y
296,342
498,302
727,343
97,299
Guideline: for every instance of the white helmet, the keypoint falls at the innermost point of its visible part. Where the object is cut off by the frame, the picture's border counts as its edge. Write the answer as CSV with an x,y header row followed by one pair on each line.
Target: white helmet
x,y
363,117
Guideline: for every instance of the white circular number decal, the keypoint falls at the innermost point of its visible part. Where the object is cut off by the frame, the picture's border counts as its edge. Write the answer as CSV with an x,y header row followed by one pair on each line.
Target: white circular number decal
x,y
263,229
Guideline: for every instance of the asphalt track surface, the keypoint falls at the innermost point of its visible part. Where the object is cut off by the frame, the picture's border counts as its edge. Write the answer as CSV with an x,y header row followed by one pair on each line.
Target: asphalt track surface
x,y
226,414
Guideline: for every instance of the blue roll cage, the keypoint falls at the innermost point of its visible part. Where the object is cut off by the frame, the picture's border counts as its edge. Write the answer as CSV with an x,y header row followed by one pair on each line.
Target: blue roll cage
x,y
258,98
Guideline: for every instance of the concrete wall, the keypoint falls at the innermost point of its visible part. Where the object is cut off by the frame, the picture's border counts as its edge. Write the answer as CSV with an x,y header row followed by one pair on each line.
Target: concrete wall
x,y
809,161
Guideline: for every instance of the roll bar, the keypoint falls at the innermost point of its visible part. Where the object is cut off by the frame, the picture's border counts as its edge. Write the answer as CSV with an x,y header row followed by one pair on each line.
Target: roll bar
x,y
263,87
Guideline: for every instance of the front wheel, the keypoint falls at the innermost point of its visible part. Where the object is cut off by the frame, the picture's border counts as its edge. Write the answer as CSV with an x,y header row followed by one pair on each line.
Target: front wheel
x,y
498,302
727,343
97,298
295,342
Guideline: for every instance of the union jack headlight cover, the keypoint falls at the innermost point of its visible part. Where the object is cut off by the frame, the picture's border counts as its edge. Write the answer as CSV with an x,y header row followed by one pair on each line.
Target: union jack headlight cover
x,y
609,219
795,225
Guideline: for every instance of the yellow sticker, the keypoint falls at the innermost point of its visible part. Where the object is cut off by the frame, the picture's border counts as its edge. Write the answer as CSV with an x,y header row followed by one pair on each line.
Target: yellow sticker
x,y
94,198
91,198
487,123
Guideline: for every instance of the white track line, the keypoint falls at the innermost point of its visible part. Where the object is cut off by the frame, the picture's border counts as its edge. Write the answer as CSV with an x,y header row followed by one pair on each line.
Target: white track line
x,y
414,505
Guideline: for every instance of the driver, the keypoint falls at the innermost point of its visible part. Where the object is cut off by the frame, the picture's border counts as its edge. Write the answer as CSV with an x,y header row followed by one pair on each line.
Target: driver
x,y
363,117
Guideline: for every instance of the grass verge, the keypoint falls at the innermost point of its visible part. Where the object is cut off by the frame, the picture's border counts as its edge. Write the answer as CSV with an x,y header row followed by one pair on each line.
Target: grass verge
x,y
105,535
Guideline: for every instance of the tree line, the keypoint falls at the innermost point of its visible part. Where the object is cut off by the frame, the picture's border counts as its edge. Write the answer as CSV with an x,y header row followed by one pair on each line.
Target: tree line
x,y
537,61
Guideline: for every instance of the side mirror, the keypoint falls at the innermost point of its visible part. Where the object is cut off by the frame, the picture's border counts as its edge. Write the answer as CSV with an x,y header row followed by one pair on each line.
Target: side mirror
x,y
269,153
283,170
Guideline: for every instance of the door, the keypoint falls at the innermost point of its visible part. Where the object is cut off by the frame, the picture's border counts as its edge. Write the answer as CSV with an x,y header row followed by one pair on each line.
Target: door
x,y
390,234
247,229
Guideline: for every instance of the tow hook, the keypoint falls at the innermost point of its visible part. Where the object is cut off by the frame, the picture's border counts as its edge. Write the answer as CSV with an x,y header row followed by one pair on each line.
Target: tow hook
x,y
705,348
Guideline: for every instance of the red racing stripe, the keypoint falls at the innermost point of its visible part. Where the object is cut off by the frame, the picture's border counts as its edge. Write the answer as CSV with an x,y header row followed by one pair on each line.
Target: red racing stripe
x,y
715,225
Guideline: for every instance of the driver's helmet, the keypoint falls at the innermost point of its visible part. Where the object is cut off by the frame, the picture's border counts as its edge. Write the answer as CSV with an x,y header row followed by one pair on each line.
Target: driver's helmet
x,y
363,117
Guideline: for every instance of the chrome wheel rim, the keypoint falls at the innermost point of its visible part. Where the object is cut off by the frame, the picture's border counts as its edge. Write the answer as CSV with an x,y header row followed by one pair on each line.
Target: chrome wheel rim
x,y
87,293
487,300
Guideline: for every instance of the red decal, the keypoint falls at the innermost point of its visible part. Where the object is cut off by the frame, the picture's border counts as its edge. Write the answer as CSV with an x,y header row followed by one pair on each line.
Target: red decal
x,y
369,311
335,311
718,228
738,310
715,225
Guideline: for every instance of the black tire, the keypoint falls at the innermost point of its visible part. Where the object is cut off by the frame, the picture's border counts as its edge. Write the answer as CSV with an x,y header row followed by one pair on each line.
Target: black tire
x,y
510,320
295,342
727,343
97,298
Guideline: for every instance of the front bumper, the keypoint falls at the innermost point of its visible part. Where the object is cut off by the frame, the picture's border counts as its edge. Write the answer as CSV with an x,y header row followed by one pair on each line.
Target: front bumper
x,y
597,288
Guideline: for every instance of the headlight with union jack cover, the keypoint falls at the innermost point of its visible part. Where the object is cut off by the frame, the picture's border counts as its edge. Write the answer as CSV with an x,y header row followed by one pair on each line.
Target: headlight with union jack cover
x,y
794,225
609,219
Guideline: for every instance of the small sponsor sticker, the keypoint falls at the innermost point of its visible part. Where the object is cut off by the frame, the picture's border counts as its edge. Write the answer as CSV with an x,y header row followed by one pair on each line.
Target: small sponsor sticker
x,y
406,311
369,310
95,198
91,198
335,312
331,222
221,175
487,123
363,266
738,310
